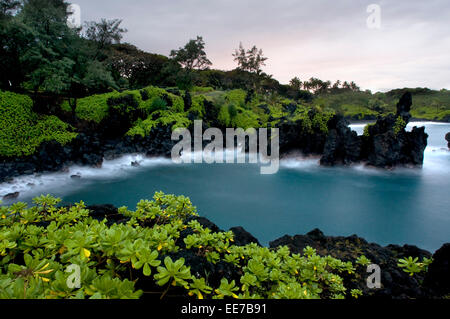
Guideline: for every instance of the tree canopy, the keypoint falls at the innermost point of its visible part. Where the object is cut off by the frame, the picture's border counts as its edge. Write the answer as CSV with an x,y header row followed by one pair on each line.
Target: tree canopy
x,y
250,60
192,55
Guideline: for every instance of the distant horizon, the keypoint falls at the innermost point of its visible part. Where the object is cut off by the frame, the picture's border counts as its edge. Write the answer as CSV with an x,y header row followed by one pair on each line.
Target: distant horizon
x,y
306,39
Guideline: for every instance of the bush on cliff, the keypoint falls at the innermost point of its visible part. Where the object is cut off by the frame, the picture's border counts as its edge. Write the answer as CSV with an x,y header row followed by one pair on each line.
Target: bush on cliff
x,y
95,107
22,130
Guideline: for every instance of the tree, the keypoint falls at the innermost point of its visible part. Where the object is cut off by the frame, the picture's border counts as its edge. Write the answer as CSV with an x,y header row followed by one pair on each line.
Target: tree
x,y
251,60
316,85
46,56
139,68
15,40
104,33
296,84
192,55
354,87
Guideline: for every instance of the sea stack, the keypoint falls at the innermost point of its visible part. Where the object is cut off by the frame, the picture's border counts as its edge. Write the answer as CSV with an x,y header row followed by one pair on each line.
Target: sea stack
x,y
388,144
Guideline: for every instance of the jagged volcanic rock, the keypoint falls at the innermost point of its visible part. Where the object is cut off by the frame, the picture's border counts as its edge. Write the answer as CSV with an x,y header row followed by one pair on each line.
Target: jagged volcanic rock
x,y
389,144
343,146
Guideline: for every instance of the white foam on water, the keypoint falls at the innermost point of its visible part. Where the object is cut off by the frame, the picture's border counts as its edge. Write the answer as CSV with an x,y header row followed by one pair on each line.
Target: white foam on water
x,y
358,128
436,163
210,157
36,184
300,163
419,123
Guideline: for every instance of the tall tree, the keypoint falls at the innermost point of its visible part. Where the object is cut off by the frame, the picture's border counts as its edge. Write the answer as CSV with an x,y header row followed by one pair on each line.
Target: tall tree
x,y
296,84
192,56
250,60
105,32
139,68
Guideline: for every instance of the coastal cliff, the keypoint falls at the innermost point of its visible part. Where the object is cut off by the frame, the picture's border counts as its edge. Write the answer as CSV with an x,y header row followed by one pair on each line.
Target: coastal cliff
x,y
385,144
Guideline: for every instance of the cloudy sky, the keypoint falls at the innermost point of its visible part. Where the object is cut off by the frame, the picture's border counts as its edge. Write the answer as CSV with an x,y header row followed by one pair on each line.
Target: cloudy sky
x,y
328,39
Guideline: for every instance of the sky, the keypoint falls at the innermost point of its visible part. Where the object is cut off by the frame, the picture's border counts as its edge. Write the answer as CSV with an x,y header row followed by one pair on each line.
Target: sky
x,y
328,39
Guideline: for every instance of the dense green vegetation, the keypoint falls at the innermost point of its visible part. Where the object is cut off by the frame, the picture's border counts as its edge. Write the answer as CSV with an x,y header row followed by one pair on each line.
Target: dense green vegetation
x,y
24,130
38,243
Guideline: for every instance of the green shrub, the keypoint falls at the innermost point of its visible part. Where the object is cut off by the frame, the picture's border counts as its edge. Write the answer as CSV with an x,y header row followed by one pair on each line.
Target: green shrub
x,y
158,104
124,104
163,118
245,119
232,110
399,125
95,107
39,244
320,121
155,96
237,97
202,89
224,116
412,265
23,130
366,129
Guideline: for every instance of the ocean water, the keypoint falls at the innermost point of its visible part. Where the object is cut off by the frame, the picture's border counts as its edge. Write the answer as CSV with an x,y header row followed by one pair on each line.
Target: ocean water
x,y
387,207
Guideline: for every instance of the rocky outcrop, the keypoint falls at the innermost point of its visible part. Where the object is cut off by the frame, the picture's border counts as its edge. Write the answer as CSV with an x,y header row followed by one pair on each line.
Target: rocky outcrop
x,y
388,144
11,196
243,237
395,283
447,138
297,136
343,146
438,275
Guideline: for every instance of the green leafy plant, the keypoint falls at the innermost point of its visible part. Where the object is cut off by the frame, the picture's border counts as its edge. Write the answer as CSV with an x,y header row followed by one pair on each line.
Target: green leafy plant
x,y
412,265
175,272
38,243
363,261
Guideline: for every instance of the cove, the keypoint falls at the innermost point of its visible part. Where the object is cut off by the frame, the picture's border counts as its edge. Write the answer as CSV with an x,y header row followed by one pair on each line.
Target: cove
x,y
404,206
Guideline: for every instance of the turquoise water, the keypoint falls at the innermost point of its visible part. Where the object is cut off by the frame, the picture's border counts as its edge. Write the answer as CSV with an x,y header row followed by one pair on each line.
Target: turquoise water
x,y
402,206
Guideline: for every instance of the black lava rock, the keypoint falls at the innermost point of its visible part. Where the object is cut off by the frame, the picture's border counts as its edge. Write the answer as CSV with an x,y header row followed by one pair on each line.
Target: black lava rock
x,y
395,282
243,237
438,275
11,196
389,145
343,146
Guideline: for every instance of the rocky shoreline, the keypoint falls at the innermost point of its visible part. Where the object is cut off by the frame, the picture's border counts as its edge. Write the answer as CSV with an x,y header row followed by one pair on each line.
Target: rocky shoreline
x,y
386,145
395,284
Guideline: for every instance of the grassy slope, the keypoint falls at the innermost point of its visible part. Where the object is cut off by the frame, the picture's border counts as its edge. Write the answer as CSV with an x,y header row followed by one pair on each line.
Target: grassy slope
x,y
427,104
